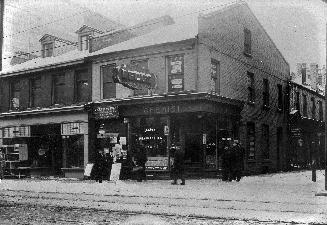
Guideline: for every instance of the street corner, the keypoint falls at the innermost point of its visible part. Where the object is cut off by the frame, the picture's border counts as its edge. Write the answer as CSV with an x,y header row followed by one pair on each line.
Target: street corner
x,y
145,219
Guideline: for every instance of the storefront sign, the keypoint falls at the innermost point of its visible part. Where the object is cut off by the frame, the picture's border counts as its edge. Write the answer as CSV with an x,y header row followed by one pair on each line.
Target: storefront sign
x,y
157,163
133,77
73,128
12,132
105,112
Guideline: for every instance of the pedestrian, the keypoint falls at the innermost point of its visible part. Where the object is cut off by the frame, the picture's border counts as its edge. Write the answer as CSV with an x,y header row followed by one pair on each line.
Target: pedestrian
x,y
99,168
226,158
141,159
108,159
237,160
177,169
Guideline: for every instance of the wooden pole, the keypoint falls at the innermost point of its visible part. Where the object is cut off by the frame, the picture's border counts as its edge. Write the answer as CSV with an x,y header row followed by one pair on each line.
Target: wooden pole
x,y
326,118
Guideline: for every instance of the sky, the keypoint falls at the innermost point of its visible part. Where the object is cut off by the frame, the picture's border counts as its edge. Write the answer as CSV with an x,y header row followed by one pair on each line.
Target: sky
x,y
297,27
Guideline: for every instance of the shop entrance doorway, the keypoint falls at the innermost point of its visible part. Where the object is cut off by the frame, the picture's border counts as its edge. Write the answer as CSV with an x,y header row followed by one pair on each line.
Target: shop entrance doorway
x,y
193,148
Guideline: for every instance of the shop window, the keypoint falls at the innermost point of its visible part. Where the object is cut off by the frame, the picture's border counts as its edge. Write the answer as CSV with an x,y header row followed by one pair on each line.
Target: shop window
x,y
251,140
75,151
82,86
265,93
321,111
247,42
251,89
175,73
58,89
109,87
280,97
313,108
265,141
143,65
150,130
305,105
14,94
215,75
35,92
47,49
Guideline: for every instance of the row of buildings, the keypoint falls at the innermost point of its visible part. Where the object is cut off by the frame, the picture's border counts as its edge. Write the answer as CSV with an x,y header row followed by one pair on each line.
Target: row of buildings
x,y
218,75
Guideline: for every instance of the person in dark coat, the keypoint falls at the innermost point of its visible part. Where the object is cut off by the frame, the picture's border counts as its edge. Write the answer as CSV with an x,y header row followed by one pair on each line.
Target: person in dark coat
x,y
226,158
108,158
99,168
237,159
177,170
141,159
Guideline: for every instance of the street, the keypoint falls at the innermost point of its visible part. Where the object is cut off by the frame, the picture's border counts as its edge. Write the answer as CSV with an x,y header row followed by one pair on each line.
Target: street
x,y
285,198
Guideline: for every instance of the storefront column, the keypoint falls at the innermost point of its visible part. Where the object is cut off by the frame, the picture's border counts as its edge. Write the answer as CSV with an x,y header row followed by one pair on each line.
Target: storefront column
x,y
64,152
86,149
168,140
129,135
216,137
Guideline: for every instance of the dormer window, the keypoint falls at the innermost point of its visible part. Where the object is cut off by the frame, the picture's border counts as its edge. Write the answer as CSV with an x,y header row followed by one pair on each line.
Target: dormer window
x,y
47,49
84,42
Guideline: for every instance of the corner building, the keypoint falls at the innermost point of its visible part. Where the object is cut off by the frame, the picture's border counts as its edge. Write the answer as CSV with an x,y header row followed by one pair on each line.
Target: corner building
x,y
218,76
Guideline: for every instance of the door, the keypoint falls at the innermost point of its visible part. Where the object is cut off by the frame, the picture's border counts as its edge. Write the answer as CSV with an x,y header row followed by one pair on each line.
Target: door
x,y
193,148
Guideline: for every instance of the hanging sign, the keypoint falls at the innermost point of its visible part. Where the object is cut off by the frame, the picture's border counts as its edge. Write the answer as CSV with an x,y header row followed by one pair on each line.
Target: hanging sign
x,y
73,128
105,112
134,77
11,132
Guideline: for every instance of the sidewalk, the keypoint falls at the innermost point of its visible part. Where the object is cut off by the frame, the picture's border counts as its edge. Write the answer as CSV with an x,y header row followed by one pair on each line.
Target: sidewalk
x,y
286,197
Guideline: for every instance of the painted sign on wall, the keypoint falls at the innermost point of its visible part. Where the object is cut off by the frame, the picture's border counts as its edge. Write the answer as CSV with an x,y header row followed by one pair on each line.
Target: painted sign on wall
x,y
134,77
105,112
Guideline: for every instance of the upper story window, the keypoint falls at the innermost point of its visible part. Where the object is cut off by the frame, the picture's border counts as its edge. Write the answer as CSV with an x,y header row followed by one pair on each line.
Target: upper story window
x,y
142,64
175,73
108,85
313,108
265,93
14,94
297,100
247,42
305,105
215,75
35,92
58,89
265,141
321,111
250,132
280,96
251,89
84,42
47,49
82,86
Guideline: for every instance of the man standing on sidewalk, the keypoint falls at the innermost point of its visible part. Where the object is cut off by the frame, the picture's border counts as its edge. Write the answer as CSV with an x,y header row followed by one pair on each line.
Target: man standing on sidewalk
x,y
237,160
177,170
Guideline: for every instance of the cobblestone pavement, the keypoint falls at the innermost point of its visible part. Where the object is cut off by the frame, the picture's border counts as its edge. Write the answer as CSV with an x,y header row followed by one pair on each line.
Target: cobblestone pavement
x,y
34,214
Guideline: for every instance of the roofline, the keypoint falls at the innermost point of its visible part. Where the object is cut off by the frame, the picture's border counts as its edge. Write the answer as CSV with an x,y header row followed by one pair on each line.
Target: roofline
x,y
42,111
92,28
135,49
307,89
46,67
58,38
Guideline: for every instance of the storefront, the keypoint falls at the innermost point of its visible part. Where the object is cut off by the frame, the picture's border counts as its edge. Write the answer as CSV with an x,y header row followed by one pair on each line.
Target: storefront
x,y
196,121
45,143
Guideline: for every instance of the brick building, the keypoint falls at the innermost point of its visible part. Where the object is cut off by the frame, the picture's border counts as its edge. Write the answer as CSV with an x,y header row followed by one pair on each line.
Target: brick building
x,y
218,76
307,126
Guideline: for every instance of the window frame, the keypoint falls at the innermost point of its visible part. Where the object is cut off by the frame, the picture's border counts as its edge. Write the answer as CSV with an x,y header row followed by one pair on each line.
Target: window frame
x,y
250,132
265,93
46,50
13,90
87,39
81,80
265,141
280,97
55,86
313,108
305,105
247,42
111,65
176,75
33,91
251,87
321,110
136,62
215,76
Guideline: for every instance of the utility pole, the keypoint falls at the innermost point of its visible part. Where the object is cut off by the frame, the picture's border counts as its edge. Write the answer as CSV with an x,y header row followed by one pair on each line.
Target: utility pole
x,y
2,6
326,118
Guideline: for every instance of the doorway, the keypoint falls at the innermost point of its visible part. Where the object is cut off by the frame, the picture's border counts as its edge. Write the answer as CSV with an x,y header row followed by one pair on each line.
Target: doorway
x,y
193,148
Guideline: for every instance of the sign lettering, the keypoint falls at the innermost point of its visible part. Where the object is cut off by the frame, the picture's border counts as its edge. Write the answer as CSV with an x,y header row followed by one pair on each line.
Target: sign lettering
x,y
105,112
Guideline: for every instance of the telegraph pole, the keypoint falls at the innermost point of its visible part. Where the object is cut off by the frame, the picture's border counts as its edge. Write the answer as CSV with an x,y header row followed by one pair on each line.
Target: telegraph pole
x,y
326,117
